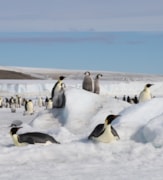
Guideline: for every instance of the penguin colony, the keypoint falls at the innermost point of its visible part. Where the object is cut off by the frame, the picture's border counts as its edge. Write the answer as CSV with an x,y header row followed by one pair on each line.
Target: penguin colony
x,y
104,133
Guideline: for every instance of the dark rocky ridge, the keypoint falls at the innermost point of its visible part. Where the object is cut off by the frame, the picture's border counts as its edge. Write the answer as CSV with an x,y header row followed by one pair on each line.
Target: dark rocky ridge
x,y
7,74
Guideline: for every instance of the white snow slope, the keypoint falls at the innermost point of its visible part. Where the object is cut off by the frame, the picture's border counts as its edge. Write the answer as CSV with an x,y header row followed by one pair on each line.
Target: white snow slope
x,y
137,155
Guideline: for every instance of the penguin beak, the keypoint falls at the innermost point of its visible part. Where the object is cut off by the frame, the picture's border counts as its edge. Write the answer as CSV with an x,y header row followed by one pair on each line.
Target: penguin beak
x,y
117,115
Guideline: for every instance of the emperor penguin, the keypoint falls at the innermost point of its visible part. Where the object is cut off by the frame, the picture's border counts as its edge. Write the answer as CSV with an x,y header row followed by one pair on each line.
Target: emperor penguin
x,y
30,137
88,84
105,132
96,84
61,98
49,103
58,94
29,108
145,94
56,88
12,105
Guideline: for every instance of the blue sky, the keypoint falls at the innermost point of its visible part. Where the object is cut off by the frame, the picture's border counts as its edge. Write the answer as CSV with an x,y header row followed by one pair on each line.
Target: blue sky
x,y
111,35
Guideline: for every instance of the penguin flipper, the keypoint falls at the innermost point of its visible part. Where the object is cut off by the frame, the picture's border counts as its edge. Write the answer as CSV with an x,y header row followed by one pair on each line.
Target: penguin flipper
x,y
114,132
26,139
53,89
52,92
99,129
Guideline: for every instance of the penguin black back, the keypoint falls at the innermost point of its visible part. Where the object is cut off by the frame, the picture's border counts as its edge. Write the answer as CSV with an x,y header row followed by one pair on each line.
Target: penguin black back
x,y
100,129
56,84
31,137
36,137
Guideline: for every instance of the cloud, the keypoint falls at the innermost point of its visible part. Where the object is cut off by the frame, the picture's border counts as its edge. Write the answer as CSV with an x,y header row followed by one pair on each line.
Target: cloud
x,y
85,15
61,39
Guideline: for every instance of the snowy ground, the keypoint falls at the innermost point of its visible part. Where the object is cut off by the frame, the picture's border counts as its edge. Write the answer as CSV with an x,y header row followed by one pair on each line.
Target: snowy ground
x,y
137,155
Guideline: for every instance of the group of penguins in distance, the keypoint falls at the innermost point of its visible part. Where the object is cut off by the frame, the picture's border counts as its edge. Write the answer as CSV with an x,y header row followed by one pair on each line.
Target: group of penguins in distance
x,y
101,133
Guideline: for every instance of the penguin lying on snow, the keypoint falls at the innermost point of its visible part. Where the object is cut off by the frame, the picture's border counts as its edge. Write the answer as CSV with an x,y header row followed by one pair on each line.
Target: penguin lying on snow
x,y
145,94
105,132
30,137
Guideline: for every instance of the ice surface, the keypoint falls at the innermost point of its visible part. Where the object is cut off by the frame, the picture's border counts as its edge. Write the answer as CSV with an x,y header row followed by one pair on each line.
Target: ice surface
x,y
137,155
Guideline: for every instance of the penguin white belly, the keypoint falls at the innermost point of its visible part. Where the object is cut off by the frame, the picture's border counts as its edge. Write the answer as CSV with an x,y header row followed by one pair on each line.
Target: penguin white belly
x,y
107,136
58,88
50,105
47,143
30,107
16,142
144,96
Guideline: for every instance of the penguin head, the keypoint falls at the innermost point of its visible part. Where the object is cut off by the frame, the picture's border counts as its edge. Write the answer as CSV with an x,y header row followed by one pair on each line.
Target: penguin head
x,y
61,78
149,85
98,76
14,130
87,73
110,118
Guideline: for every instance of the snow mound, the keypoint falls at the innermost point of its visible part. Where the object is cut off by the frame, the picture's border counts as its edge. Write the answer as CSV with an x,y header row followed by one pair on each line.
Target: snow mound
x,y
153,131
137,121
83,111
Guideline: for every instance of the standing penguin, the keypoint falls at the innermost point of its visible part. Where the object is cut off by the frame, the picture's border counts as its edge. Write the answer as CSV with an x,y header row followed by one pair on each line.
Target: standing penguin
x,y
105,132
62,96
30,137
29,109
88,84
49,103
96,84
58,94
145,94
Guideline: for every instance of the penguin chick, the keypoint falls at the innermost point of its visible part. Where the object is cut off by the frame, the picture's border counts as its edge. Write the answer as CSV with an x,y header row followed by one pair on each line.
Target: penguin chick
x,y
105,132
145,94
88,84
96,84
30,137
